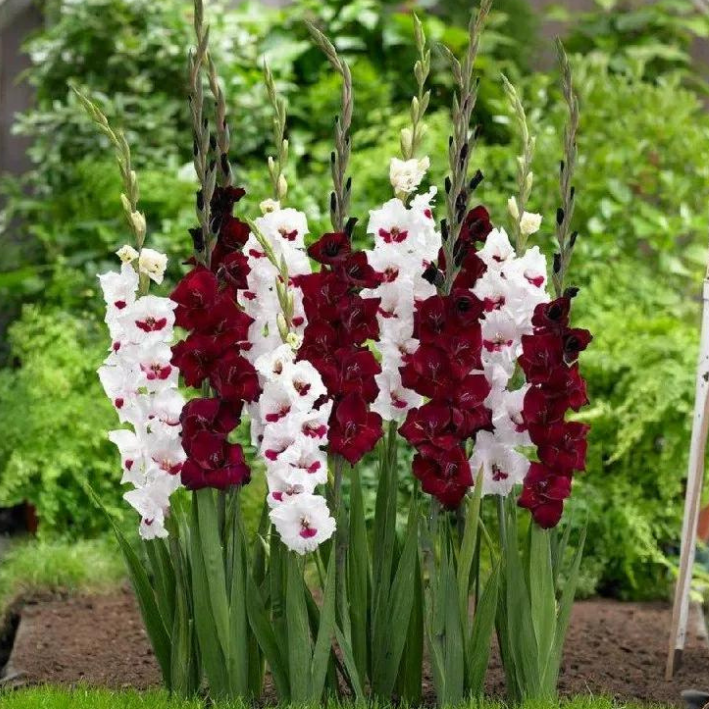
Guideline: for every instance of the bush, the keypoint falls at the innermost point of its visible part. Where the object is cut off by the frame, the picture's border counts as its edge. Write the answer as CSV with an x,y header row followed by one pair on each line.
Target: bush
x,y
54,419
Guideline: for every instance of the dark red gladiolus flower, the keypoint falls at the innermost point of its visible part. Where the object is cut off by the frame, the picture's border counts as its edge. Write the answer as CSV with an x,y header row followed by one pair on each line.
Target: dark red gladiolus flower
x,y
235,472
429,372
194,294
561,446
549,361
357,272
446,477
552,316
234,378
234,269
354,430
195,357
331,249
541,354
211,414
357,369
543,494
430,429
358,318
207,306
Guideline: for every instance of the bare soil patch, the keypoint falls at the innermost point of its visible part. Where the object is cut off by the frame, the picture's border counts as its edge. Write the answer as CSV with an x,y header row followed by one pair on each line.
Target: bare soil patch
x,y
613,648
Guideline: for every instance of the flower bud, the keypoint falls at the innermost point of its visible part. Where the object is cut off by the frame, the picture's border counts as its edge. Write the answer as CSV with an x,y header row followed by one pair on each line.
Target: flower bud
x,y
282,326
127,254
530,223
282,186
269,205
512,208
139,225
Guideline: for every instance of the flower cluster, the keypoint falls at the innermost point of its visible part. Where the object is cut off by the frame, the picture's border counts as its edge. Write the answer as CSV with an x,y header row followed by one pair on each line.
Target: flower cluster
x,y
339,321
510,289
405,244
549,361
292,425
141,382
284,230
447,369
211,356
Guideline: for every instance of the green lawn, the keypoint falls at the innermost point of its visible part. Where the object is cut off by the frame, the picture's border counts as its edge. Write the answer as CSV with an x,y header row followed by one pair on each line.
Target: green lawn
x,y
54,698
34,566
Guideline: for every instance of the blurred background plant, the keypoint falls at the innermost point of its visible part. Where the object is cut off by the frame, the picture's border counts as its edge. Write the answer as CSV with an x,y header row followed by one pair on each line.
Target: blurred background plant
x,y
642,183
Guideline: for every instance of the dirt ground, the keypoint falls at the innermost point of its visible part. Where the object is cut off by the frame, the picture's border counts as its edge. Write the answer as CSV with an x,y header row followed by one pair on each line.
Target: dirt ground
x,y
612,648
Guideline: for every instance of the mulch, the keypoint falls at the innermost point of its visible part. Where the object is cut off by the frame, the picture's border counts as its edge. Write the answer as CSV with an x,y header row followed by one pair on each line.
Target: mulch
x,y
613,648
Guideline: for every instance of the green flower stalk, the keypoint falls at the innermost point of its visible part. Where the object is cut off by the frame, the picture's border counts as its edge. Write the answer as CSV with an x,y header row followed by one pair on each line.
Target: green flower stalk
x,y
461,142
525,176
277,166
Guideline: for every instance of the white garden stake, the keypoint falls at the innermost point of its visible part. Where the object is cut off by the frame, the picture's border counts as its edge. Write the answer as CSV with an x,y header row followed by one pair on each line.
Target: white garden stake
x,y
695,476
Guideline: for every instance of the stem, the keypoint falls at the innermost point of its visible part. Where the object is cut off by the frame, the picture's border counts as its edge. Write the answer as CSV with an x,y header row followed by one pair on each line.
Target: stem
x,y
206,170
501,521
223,137
277,166
340,156
461,143
524,163
565,238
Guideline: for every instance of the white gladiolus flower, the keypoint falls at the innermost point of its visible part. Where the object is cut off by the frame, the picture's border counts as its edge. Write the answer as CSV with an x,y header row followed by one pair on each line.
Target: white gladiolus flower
x,y
141,382
497,250
502,466
152,263
303,522
406,175
530,223
285,482
127,254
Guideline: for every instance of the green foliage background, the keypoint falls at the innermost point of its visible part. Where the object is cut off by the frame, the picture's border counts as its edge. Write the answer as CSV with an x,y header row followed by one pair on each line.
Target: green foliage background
x,y
642,184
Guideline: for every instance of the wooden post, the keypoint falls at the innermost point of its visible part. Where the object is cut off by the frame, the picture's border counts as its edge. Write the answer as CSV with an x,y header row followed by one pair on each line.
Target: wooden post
x,y
695,477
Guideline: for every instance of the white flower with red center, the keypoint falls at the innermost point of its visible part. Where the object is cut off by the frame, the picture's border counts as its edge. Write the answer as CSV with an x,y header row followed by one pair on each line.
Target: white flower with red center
x,y
501,465
149,319
156,367
501,340
118,293
497,250
394,400
303,522
141,382
284,227
285,482
405,243
506,407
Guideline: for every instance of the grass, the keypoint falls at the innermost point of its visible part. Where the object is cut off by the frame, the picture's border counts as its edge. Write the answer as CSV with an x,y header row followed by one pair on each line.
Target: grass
x,y
82,698
34,566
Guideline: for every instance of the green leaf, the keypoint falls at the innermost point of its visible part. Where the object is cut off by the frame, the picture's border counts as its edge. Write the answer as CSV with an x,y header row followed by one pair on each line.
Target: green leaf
x,y
326,632
410,671
564,615
164,575
467,551
358,575
300,648
398,612
478,645
213,559
350,665
454,640
542,594
239,624
263,630
211,652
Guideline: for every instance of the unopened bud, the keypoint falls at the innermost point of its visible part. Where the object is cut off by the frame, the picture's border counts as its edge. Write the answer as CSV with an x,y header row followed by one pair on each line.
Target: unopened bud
x,y
282,186
406,142
512,208
138,221
282,327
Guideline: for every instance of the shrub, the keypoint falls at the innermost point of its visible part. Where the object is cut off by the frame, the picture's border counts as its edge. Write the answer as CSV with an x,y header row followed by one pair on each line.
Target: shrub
x,y
53,418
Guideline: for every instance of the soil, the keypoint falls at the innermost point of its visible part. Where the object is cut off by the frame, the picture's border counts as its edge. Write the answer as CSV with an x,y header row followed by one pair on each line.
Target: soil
x,y
612,648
